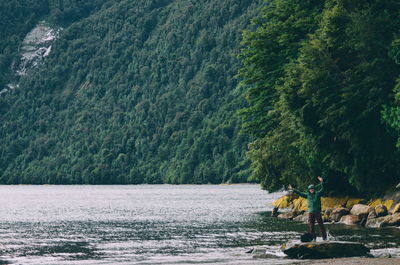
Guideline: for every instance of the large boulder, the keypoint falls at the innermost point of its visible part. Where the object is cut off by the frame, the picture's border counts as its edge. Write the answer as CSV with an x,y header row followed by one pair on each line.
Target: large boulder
x,y
387,203
324,250
380,210
396,208
275,212
388,220
371,215
337,213
350,219
393,220
352,201
300,204
287,215
361,210
377,222
333,202
326,217
291,201
283,202
301,218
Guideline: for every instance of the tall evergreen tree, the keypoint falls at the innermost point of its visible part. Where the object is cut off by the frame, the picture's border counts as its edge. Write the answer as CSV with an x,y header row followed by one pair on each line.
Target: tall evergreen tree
x,y
281,30
330,100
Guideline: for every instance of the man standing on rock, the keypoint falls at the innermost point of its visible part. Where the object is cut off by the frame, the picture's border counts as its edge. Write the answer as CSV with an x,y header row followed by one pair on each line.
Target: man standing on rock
x,y
314,207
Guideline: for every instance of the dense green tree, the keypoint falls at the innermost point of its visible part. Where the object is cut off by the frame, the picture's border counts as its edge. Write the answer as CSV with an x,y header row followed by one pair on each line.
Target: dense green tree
x,y
281,30
325,105
343,77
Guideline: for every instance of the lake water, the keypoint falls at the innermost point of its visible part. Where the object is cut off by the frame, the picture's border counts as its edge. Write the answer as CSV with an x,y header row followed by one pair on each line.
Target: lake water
x,y
153,224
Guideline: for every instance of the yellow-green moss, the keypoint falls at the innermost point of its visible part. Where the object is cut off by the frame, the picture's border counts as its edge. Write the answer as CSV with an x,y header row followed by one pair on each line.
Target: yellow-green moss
x,y
300,204
387,203
283,202
396,208
332,202
352,201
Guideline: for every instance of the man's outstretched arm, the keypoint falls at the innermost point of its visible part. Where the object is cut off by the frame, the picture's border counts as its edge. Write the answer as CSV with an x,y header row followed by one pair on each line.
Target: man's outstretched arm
x,y
302,194
321,183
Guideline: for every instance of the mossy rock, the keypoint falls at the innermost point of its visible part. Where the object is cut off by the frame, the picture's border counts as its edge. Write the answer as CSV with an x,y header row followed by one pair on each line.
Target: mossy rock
x,y
388,203
353,201
381,210
300,204
396,208
333,202
337,213
325,250
283,202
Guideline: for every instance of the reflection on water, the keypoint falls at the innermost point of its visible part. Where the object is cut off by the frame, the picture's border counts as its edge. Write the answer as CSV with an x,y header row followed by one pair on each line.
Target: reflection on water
x,y
158,224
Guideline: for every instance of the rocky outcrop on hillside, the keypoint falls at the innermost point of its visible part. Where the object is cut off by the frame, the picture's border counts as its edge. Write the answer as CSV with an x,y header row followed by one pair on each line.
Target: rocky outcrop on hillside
x,y
35,47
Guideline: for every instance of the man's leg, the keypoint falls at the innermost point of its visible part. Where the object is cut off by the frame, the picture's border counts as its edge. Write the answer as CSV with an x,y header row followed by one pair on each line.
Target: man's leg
x,y
311,221
321,225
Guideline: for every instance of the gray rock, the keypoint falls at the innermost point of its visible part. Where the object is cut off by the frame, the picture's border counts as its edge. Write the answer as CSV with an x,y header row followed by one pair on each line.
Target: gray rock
x,y
337,213
264,256
36,45
377,222
275,212
388,220
287,215
380,210
301,218
383,255
393,220
396,208
363,221
325,250
326,217
249,251
257,251
372,215
350,219
361,210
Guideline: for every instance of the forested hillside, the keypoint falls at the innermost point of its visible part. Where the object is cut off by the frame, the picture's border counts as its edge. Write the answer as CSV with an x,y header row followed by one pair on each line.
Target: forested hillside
x,y
145,92
321,78
132,92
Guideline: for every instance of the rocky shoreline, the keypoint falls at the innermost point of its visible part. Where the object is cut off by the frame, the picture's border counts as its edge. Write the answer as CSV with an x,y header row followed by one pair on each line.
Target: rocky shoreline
x,y
381,212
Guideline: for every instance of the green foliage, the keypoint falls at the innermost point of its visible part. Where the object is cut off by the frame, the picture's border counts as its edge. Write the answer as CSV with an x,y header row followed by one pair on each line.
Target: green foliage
x,y
321,106
282,28
132,92
18,17
391,112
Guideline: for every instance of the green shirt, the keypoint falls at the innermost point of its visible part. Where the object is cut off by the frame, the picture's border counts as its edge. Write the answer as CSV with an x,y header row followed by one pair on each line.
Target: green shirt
x,y
313,200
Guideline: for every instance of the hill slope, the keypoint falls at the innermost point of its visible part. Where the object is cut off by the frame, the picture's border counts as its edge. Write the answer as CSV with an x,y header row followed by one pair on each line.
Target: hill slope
x,y
132,92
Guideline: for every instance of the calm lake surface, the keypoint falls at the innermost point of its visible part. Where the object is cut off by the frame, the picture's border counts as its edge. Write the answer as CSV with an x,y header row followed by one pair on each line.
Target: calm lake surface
x,y
154,224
